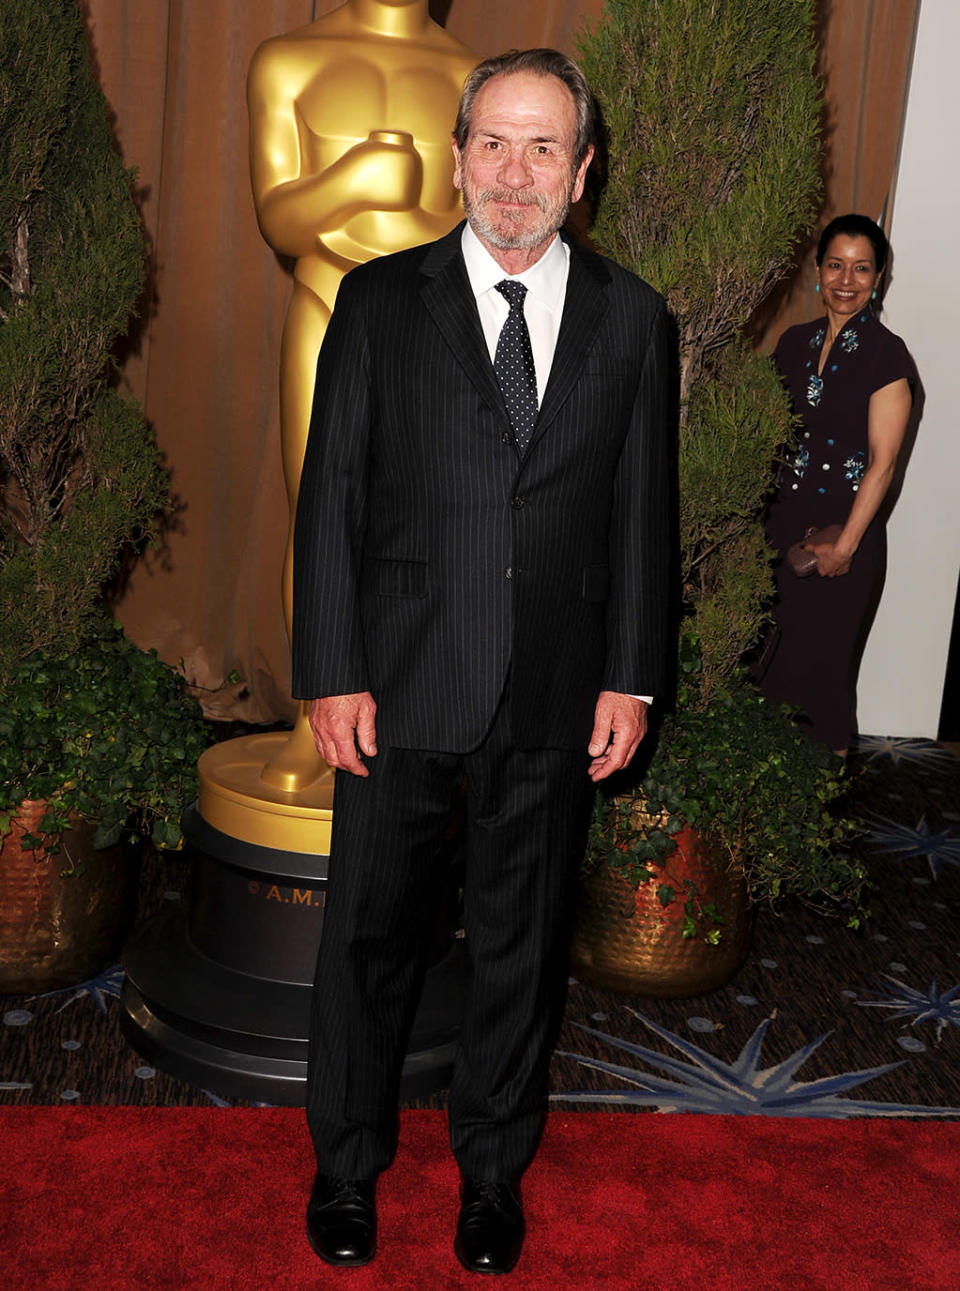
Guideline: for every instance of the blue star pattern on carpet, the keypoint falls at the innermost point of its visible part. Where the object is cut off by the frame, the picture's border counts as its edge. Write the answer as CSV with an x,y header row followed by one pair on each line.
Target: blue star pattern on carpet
x,y
739,1088
931,1005
937,846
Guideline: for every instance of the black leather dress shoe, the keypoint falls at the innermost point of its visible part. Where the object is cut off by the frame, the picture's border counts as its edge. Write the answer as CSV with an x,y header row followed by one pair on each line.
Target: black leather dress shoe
x,y
342,1220
490,1229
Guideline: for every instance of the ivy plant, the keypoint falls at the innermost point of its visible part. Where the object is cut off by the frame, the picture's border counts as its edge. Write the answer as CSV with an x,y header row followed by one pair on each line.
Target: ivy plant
x,y
109,733
766,799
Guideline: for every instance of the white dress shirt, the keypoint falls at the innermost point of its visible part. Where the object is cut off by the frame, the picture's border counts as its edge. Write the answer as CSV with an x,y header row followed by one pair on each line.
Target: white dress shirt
x,y
546,284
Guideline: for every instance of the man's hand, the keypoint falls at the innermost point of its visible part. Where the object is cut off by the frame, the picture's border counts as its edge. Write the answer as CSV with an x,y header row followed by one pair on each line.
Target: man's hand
x,y
342,722
619,724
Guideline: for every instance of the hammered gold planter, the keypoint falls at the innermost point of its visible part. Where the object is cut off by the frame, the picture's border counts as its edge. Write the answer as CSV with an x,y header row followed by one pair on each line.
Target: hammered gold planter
x,y
58,929
626,941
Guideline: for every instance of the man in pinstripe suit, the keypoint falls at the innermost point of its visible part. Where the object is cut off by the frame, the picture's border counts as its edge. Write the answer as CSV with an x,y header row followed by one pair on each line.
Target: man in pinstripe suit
x,y
479,596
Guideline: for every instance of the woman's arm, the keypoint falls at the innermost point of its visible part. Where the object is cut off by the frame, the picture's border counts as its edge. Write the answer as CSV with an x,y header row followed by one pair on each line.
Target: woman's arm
x,y
887,419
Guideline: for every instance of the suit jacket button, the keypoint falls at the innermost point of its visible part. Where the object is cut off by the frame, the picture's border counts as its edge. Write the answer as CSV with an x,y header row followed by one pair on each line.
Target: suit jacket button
x,y
517,503
506,437
509,573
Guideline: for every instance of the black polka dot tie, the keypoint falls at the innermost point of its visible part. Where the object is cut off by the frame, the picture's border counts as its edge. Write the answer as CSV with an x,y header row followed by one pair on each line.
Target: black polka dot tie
x,y
513,365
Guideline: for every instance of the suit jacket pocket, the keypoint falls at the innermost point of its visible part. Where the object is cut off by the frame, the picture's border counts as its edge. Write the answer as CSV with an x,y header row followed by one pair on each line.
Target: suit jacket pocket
x,y
609,365
395,577
596,582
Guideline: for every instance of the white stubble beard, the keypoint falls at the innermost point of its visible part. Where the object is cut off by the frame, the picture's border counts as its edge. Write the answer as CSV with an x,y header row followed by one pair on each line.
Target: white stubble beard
x,y
500,235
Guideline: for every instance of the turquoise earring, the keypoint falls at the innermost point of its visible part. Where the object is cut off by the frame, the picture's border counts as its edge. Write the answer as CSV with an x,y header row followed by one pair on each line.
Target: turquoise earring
x,y
873,294
817,287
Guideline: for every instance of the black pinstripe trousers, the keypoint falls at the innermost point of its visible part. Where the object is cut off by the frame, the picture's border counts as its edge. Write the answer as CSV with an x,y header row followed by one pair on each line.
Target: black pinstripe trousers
x,y
525,823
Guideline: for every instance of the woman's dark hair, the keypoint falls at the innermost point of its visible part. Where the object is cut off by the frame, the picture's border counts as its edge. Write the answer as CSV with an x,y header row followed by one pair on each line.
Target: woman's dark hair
x,y
855,226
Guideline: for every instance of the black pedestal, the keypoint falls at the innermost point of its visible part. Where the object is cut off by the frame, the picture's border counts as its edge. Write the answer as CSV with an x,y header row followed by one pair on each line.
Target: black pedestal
x,y
219,994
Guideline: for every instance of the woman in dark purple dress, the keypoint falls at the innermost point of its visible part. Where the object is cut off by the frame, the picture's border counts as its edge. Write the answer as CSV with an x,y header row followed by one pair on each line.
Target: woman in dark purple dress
x,y
851,383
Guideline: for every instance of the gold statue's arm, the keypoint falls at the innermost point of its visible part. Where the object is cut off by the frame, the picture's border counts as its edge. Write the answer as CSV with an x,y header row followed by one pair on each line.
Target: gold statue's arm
x,y
381,172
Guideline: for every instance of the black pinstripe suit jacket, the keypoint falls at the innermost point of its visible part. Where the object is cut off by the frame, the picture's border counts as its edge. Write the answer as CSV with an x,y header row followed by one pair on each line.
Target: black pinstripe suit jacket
x,y
429,557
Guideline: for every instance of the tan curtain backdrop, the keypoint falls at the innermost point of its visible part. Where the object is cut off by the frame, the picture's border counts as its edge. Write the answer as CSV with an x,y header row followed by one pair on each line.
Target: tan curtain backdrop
x,y
174,73
866,47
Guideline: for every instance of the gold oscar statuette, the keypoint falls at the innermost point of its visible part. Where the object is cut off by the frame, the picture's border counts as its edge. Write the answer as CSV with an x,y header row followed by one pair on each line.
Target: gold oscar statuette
x,y
350,122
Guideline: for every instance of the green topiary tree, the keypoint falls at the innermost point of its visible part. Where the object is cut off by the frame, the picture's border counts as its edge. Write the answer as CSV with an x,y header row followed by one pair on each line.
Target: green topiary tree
x,y
712,112
90,725
712,109
81,478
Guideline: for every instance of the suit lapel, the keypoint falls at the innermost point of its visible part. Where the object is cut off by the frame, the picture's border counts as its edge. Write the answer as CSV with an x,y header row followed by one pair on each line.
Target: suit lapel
x,y
584,309
446,293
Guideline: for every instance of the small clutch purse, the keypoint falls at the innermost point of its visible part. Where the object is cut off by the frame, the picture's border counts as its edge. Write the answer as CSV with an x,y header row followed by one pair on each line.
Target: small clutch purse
x,y
803,562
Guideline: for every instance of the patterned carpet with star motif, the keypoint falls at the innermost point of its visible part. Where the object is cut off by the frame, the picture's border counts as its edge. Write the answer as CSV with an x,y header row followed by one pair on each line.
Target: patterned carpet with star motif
x,y
819,1022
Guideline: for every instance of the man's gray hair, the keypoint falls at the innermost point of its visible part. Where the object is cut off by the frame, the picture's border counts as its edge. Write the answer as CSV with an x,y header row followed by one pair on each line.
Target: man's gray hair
x,y
542,62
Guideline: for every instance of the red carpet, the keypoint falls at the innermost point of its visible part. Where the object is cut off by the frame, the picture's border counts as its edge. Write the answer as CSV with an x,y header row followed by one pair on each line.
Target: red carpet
x,y
138,1199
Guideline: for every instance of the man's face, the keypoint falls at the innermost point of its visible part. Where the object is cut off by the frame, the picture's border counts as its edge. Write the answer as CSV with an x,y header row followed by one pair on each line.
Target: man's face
x,y
517,170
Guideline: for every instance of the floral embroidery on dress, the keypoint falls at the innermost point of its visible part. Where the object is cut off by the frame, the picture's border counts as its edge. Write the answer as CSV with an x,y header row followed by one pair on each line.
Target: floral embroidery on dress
x,y
814,390
854,467
800,462
849,341
816,340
